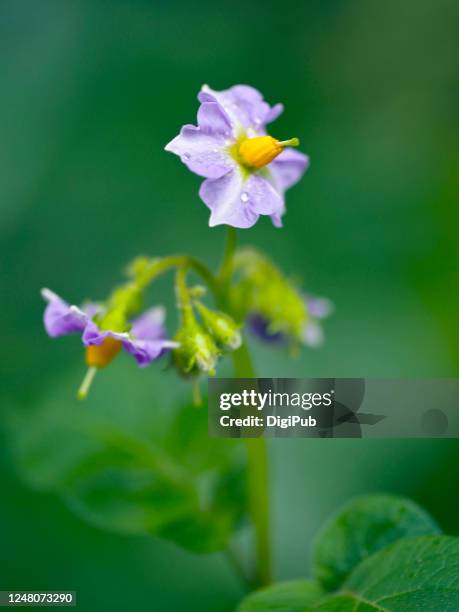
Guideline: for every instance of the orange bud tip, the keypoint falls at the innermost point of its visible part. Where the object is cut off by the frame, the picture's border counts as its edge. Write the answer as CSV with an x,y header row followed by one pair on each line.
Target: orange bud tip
x,y
87,382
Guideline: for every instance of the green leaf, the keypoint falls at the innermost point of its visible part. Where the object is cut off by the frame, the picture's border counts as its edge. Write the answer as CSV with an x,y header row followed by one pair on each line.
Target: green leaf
x,y
413,574
126,487
192,492
291,596
173,482
345,603
360,529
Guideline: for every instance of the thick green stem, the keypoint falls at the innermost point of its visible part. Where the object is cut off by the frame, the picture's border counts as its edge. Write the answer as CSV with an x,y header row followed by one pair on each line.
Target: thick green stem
x,y
257,482
257,454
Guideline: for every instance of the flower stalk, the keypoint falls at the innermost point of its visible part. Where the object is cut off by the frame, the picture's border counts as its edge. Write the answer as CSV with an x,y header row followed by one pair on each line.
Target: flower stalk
x,y
257,483
227,267
257,454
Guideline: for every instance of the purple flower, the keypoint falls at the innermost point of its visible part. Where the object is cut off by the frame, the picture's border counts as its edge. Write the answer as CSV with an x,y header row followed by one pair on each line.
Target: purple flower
x,y
146,340
317,309
247,172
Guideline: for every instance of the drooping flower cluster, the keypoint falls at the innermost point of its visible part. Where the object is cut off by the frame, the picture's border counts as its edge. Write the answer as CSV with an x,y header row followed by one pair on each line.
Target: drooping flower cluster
x,y
247,172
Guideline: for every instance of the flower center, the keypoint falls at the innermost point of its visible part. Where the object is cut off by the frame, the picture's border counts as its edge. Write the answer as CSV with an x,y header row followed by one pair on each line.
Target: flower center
x,y
101,355
260,151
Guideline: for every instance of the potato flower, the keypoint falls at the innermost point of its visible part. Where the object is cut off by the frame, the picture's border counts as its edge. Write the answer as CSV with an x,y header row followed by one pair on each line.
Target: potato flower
x,y
145,340
246,171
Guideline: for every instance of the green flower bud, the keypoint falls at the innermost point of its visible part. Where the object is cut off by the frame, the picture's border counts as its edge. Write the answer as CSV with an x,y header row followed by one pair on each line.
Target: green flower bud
x,y
221,326
197,291
139,266
197,351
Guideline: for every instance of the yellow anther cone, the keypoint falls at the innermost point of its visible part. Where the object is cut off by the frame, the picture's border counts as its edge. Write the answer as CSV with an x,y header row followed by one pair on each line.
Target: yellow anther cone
x,y
260,151
101,355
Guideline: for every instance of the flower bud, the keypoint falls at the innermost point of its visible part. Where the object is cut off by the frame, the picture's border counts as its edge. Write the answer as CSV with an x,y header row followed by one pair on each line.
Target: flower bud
x,y
221,326
197,351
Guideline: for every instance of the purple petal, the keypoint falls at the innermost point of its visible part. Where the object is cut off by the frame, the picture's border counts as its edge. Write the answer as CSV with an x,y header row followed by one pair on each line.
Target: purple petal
x,y
274,112
92,309
261,197
244,105
226,200
288,168
60,318
146,351
150,325
212,119
277,218
313,335
318,307
93,335
204,153
147,339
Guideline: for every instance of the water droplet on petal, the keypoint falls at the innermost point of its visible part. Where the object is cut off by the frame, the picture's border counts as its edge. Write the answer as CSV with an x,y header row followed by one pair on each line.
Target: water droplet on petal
x,y
244,196
186,156
214,150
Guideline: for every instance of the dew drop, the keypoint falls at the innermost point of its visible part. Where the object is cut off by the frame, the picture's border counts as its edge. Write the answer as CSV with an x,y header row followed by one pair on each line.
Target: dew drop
x,y
244,197
186,156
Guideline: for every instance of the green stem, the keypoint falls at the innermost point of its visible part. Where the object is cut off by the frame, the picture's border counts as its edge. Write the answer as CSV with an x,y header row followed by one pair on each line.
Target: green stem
x,y
183,296
226,269
164,264
257,454
257,481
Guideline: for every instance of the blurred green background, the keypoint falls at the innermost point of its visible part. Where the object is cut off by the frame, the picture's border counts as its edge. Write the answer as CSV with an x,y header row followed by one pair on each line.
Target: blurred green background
x,y
90,94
